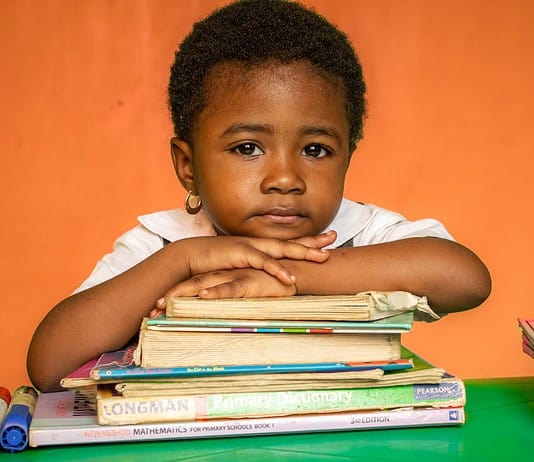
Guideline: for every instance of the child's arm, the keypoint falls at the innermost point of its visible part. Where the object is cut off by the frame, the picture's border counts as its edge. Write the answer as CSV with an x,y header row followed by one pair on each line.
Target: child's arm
x,y
107,316
452,277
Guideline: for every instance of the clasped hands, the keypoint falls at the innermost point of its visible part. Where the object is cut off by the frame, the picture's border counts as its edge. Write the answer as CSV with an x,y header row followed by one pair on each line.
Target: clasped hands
x,y
235,266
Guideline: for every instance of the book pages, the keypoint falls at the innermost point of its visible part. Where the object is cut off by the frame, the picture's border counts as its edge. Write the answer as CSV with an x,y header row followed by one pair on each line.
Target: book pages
x,y
356,307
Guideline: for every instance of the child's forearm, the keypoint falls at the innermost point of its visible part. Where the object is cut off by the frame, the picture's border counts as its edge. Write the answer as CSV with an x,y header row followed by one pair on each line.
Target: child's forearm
x,y
449,275
100,319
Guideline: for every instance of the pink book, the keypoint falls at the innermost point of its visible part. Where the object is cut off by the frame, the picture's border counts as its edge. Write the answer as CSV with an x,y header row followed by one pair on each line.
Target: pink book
x,y
80,377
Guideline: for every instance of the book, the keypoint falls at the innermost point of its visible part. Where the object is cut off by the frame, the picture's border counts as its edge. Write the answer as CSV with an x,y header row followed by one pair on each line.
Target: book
x,y
115,409
279,382
118,366
527,338
397,323
81,377
420,372
183,349
69,418
361,306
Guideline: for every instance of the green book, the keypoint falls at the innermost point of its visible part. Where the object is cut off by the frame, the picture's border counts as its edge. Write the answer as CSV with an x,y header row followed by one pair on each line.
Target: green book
x,y
114,409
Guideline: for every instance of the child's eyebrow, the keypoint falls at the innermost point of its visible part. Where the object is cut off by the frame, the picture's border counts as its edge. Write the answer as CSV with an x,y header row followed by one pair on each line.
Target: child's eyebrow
x,y
247,127
308,130
321,131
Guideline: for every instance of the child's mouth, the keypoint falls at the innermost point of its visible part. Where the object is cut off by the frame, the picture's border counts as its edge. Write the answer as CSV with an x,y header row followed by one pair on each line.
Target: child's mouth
x,y
282,215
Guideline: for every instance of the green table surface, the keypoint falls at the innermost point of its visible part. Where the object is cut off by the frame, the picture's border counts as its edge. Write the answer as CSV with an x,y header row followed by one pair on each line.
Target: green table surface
x,y
499,427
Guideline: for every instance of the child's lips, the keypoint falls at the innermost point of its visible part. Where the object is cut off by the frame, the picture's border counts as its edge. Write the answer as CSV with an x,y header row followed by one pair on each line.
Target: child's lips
x,y
282,215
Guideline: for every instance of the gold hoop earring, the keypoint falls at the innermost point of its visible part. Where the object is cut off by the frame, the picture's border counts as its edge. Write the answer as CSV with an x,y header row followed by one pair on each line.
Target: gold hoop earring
x,y
192,209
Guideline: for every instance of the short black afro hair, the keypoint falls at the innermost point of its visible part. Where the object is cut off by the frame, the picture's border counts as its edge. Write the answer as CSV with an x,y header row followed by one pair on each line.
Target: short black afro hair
x,y
253,31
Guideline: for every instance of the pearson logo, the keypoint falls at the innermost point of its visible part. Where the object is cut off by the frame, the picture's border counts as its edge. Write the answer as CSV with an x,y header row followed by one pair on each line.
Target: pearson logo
x,y
438,391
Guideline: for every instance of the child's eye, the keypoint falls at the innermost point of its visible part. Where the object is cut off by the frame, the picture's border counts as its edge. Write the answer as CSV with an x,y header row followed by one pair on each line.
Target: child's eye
x,y
247,149
316,150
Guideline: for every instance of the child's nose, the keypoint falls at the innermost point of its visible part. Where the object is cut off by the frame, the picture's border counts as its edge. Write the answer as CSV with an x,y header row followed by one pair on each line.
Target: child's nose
x,y
283,176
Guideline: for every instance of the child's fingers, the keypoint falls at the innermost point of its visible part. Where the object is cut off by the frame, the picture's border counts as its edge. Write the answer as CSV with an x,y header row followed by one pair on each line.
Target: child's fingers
x,y
230,289
273,267
194,285
240,289
293,250
319,241
155,312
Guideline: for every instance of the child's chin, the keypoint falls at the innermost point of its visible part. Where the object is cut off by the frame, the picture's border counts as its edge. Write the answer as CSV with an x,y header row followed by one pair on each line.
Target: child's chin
x,y
283,233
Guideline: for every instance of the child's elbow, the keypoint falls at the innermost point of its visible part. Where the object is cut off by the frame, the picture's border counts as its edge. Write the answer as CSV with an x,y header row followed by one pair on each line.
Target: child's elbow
x,y
465,282
41,377
45,384
478,285
483,288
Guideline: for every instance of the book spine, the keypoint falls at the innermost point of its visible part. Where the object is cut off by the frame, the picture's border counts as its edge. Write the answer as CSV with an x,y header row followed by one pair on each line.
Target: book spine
x,y
47,436
120,410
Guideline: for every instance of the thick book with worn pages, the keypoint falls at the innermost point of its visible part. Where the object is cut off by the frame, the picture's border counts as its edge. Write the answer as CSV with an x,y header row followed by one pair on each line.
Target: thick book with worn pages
x,y
182,349
69,417
115,409
359,307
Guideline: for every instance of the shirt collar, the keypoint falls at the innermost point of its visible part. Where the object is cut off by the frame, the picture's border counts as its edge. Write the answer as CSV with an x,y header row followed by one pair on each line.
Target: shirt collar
x,y
350,220
176,224
172,225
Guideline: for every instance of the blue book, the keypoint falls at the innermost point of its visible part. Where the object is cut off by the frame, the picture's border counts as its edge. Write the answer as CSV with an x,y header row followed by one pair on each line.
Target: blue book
x,y
119,365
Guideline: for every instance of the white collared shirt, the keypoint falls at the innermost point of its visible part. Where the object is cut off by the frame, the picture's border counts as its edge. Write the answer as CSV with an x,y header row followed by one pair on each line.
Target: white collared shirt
x,y
356,225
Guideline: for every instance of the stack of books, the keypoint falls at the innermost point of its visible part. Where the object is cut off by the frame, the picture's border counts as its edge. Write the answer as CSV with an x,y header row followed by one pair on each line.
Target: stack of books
x,y
212,368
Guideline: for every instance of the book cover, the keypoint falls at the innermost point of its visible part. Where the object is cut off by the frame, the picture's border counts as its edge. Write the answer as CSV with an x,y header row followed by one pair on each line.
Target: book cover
x,y
361,306
126,371
114,409
397,323
80,377
68,418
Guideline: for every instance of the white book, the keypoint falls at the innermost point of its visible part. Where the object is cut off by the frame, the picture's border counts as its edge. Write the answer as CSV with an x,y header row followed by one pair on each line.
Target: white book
x,y
69,417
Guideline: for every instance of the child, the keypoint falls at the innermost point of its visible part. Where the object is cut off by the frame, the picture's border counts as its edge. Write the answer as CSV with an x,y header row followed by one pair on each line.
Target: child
x,y
267,100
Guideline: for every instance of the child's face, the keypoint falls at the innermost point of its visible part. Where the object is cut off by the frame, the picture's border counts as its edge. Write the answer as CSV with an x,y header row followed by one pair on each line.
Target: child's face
x,y
269,151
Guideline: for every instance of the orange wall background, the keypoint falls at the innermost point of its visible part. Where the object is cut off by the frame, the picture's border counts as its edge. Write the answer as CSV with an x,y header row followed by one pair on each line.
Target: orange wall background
x,y
84,136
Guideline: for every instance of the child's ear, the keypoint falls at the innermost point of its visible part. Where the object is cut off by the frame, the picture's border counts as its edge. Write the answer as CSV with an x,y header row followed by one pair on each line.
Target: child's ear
x,y
182,159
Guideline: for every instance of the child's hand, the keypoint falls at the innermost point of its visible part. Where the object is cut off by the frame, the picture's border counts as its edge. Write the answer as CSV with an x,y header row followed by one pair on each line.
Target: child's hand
x,y
236,283
211,259
207,254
